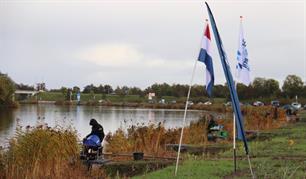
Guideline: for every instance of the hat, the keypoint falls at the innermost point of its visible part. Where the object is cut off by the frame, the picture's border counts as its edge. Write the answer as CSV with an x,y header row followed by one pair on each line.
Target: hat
x,y
92,122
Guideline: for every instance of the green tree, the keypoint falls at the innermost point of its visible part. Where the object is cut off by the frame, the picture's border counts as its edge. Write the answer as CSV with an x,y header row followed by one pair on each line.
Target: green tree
x,y
100,89
198,91
108,89
244,92
155,88
7,89
89,88
178,90
64,91
293,85
271,88
120,91
135,91
75,89
125,90
221,91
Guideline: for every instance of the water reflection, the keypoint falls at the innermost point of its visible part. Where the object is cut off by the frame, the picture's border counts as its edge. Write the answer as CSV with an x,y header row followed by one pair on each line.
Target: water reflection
x,y
7,124
78,117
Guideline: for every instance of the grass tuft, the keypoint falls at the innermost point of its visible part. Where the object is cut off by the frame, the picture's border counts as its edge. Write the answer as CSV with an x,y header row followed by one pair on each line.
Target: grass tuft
x,y
42,152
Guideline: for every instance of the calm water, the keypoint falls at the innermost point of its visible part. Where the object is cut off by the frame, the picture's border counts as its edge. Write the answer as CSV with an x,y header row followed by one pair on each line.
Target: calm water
x,y
78,117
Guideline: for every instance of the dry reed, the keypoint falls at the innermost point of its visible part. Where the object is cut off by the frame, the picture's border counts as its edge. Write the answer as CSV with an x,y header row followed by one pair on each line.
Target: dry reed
x,y
42,152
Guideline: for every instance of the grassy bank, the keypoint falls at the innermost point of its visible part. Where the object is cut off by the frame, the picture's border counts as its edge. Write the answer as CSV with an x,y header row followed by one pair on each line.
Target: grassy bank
x,y
281,155
195,168
43,152
85,97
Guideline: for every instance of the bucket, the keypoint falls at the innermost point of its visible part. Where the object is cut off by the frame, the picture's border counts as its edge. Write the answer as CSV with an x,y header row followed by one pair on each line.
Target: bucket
x,y
138,155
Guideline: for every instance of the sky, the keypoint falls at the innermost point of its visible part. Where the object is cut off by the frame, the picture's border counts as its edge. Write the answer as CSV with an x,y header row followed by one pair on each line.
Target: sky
x,y
138,43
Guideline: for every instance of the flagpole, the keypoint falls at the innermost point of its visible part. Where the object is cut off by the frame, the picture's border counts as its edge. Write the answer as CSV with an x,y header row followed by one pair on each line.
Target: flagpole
x,y
185,113
234,126
234,142
234,120
250,166
229,79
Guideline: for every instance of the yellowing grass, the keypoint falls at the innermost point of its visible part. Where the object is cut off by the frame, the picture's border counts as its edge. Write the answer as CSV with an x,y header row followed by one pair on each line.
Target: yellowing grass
x,y
152,139
42,153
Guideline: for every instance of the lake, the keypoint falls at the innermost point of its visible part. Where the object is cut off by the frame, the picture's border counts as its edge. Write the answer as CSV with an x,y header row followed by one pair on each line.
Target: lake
x,y
78,117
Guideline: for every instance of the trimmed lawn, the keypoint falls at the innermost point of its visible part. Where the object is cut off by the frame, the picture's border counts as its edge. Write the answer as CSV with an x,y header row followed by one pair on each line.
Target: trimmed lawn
x,y
197,169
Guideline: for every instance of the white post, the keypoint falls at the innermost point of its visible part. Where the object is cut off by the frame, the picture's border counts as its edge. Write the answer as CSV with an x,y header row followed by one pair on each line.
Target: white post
x,y
185,113
234,136
253,176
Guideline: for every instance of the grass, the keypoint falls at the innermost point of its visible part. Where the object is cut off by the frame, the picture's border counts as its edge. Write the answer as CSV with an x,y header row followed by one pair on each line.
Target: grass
x,y
51,96
42,152
85,97
283,155
196,169
58,96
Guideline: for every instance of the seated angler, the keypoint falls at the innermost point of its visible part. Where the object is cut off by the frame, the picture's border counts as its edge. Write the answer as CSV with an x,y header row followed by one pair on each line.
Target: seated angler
x,y
95,137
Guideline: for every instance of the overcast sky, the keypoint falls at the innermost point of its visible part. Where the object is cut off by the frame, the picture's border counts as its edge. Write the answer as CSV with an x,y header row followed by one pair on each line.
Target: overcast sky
x,y
138,43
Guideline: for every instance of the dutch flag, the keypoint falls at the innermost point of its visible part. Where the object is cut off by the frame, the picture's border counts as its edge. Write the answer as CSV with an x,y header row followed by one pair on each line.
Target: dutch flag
x,y
205,57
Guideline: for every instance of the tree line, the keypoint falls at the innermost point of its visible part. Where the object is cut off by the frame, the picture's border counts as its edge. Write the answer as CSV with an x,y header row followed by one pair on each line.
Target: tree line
x,y
259,88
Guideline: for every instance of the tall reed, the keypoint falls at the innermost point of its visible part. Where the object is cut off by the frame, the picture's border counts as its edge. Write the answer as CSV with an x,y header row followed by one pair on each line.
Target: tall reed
x,y
152,139
42,152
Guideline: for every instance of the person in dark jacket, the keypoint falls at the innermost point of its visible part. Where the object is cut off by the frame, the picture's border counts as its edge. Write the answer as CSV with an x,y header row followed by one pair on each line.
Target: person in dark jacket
x,y
93,140
96,129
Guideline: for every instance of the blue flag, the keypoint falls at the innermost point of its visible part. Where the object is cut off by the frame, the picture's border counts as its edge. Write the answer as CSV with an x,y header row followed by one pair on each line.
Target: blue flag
x,y
230,82
205,57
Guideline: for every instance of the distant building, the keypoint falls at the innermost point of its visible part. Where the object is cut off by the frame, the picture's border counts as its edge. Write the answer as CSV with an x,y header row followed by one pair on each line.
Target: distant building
x,y
150,96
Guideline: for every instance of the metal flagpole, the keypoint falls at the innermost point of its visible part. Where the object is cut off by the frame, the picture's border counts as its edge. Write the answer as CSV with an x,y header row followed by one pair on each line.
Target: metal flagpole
x,y
234,124
185,113
234,138
234,142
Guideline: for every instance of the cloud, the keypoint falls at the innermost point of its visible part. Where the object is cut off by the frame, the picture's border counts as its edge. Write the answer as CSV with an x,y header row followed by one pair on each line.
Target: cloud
x,y
128,56
111,55
126,64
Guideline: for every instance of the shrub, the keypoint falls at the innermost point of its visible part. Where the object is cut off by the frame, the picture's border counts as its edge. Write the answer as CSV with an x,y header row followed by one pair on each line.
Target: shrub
x,y
42,152
152,139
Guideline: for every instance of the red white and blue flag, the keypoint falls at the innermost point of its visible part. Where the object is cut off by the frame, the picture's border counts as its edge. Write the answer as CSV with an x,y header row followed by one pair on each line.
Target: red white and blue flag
x,y
205,57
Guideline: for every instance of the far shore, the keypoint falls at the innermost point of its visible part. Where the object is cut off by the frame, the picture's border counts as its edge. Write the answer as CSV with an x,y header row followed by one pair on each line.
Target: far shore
x,y
214,107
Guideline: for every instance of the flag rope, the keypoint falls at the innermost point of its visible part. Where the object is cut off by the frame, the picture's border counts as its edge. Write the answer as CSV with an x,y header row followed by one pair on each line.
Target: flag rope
x,y
184,119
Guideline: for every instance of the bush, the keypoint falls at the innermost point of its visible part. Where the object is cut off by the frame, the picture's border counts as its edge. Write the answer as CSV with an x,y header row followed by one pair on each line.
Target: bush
x,y
42,152
7,89
152,139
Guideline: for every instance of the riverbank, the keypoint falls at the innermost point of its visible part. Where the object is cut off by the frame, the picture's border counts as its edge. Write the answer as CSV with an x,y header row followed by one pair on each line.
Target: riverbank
x,y
168,102
281,155
285,143
218,107
78,117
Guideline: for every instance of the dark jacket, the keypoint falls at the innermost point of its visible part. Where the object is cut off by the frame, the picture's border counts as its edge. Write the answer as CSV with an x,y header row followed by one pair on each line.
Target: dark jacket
x,y
96,129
